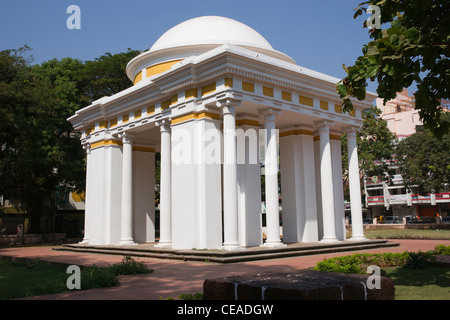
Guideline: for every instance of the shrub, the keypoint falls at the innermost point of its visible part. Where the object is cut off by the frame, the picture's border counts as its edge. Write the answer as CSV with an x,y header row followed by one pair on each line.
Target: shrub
x,y
358,262
129,266
96,277
189,296
418,260
441,249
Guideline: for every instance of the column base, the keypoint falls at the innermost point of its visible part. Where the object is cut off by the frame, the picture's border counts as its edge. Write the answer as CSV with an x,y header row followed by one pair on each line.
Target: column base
x,y
84,241
273,244
329,240
232,247
358,238
164,244
128,242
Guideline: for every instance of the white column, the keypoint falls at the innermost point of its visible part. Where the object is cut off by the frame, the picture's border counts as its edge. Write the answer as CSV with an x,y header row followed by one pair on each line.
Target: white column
x,y
230,205
271,176
87,212
126,235
338,192
298,187
249,183
143,193
165,207
326,177
355,187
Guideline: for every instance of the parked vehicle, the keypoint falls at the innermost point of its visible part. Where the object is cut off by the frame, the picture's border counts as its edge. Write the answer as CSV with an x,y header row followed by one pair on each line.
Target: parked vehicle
x,y
393,220
446,220
411,219
380,219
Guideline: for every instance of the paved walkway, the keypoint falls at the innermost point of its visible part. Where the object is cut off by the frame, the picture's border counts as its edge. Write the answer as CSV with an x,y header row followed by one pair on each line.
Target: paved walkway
x,y
172,278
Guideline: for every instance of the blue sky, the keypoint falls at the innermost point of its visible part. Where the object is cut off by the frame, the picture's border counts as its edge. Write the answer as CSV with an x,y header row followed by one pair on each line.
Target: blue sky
x,y
320,35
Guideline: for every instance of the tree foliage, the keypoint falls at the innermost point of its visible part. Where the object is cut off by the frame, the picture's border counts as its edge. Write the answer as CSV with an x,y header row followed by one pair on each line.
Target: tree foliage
x,y
424,161
40,151
375,143
413,48
106,75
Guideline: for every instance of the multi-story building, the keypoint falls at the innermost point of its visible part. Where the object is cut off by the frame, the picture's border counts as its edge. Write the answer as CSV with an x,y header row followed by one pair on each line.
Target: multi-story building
x,y
387,196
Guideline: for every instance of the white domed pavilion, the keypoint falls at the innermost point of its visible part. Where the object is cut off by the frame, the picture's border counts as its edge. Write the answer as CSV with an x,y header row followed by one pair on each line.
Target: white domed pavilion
x,y
207,95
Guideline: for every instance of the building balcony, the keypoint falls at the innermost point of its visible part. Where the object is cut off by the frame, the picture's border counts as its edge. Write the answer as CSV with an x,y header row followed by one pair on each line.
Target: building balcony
x,y
407,199
397,179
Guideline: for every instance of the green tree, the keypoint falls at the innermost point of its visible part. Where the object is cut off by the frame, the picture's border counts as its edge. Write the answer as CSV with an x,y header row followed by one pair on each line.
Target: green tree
x,y
413,48
424,161
375,143
40,151
106,75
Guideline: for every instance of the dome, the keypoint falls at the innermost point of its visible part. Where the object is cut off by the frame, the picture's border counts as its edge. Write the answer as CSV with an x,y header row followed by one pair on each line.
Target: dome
x,y
211,30
194,37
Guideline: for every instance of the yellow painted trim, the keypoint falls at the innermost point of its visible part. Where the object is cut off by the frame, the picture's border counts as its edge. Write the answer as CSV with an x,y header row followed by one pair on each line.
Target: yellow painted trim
x,y
90,130
103,125
137,114
248,86
191,93
286,96
106,143
151,109
268,92
125,118
183,118
138,77
78,197
335,137
306,101
323,105
113,123
174,99
208,89
332,137
160,68
144,149
197,116
229,82
247,122
166,104
338,108
296,132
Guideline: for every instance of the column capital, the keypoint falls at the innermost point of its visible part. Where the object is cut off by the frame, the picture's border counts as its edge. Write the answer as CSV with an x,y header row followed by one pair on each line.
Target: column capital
x,y
220,103
324,125
228,105
270,113
164,124
126,137
87,147
351,130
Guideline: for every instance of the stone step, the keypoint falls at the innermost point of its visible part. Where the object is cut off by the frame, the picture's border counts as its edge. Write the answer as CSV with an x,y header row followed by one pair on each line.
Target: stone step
x,y
222,256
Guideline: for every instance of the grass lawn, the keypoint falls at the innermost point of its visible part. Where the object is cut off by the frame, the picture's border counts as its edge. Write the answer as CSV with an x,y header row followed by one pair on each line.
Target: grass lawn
x,y
406,234
28,278
430,283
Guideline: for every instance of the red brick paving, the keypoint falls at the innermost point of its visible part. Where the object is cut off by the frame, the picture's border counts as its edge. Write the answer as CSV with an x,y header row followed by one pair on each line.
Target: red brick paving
x,y
172,278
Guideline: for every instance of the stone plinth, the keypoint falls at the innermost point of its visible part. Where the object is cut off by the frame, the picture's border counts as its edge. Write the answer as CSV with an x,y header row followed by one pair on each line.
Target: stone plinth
x,y
298,285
